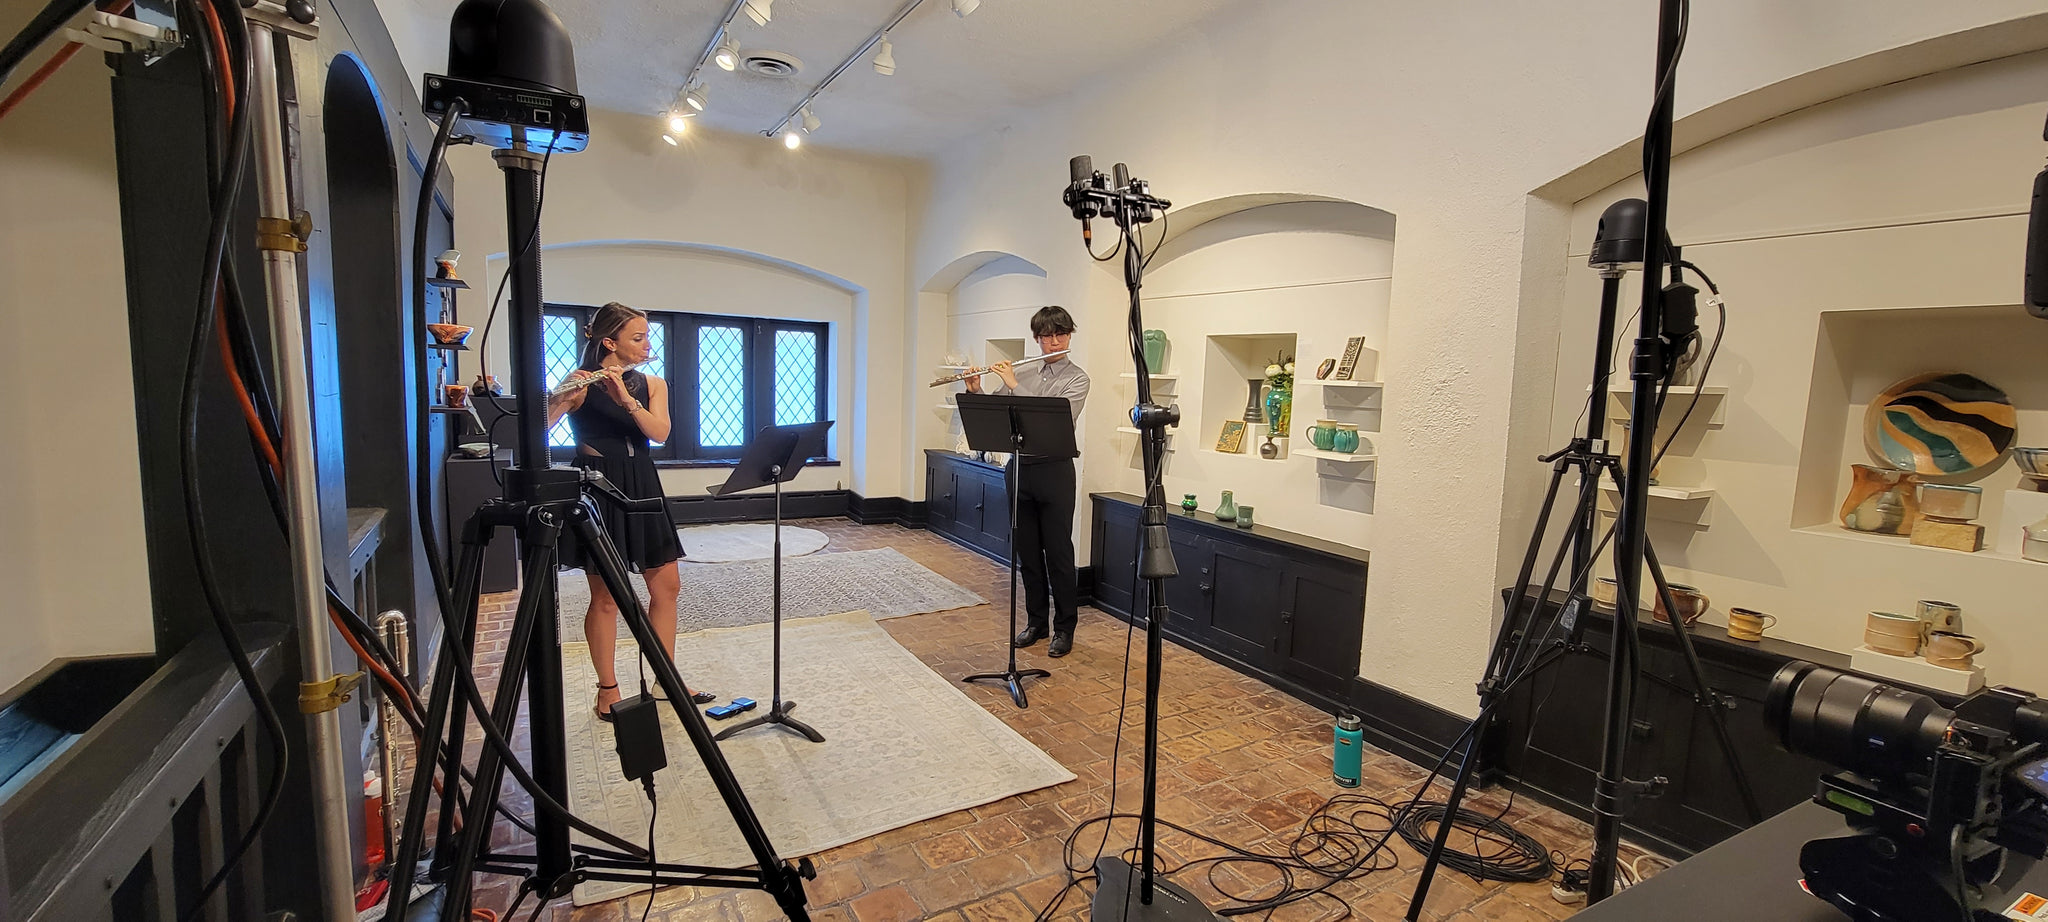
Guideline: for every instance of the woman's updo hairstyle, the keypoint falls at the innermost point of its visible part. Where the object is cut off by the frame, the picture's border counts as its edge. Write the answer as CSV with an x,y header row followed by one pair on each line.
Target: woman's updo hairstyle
x,y
611,319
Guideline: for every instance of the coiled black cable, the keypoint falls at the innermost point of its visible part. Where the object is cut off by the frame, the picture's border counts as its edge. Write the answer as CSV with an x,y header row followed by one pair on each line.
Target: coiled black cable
x,y
1518,858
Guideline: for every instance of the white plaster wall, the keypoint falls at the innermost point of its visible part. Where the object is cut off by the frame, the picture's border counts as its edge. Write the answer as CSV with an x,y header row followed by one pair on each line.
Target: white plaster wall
x,y
74,576
652,277
1909,203
828,215
1449,116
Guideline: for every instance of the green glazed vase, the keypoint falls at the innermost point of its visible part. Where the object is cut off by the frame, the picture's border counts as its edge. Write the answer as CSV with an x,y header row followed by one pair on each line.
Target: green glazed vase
x,y
1155,352
1226,511
1279,411
1188,504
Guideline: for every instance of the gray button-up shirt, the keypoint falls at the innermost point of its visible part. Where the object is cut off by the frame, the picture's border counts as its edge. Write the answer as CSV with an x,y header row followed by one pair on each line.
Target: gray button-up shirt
x,y
1052,379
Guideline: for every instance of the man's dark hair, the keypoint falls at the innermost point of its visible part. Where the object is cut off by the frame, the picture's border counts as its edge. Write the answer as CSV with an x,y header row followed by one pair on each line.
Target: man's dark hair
x,y
1051,319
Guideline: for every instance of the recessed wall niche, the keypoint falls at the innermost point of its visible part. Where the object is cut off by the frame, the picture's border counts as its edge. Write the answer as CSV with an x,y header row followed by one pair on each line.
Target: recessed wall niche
x,y
1239,283
1860,353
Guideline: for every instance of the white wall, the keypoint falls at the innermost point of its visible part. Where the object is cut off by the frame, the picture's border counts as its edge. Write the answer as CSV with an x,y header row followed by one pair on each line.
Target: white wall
x,y
1857,242
1448,116
763,231
73,574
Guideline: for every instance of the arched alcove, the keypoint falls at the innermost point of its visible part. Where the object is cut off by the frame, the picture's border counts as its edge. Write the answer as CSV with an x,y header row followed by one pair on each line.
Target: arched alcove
x,y
1235,284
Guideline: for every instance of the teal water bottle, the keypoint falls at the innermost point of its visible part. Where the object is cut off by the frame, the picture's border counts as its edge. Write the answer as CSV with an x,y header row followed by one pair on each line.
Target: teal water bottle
x,y
1350,744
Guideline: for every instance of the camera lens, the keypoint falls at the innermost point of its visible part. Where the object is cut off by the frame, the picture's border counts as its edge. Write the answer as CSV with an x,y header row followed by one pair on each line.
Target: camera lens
x,y
1859,724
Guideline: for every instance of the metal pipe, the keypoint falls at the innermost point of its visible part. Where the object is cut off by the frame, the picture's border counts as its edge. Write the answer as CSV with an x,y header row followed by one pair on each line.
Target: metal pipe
x,y
903,12
302,497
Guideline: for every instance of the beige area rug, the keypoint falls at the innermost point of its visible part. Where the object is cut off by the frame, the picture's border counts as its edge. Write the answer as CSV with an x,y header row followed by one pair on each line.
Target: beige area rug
x,y
902,744
881,582
732,543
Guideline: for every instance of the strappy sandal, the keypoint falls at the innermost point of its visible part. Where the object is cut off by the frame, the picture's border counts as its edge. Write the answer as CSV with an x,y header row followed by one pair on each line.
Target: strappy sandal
x,y
604,715
701,697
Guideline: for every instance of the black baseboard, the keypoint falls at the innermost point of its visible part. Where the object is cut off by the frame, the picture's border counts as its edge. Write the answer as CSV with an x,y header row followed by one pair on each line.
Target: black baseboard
x,y
883,510
757,506
1407,727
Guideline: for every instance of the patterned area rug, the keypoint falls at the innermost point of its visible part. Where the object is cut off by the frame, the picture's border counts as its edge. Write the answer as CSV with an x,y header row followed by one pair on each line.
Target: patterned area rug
x,y
882,582
902,744
747,541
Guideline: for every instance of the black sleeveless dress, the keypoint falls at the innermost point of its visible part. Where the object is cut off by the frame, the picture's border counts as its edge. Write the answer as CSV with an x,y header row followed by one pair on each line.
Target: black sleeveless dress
x,y
645,540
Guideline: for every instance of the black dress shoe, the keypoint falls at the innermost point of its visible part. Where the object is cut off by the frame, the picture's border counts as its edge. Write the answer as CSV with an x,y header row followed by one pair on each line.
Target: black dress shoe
x,y
1027,637
1062,644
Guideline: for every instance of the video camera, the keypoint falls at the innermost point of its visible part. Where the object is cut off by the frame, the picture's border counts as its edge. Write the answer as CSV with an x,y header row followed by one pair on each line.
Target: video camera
x,y
1941,801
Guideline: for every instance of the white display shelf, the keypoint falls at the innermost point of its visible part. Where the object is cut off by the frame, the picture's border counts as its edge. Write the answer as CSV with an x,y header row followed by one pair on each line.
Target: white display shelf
x,y
1839,532
1333,383
949,406
1712,404
1686,505
1320,454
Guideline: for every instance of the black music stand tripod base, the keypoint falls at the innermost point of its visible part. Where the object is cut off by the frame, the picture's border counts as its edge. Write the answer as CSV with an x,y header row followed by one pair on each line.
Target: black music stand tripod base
x,y
1042,426
1117,898
774,456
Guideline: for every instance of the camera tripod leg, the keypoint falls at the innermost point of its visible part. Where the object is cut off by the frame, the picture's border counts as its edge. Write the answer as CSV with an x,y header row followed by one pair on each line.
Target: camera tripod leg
x,y
440,700
1708,700
536,600
467,588
780,879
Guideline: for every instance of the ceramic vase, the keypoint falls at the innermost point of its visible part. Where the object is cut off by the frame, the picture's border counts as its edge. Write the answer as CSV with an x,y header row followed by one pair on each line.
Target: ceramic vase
x,y
1252,413
1881,501
1155,351
1279,411
2034,541
1188,504
1226,511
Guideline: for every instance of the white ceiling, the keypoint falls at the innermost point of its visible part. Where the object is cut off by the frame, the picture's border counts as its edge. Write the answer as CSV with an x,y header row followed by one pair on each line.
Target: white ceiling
x,y
953,75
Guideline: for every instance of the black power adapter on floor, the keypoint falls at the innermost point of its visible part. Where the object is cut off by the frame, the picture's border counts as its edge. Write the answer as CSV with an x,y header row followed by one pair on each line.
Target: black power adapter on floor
x,y
636,729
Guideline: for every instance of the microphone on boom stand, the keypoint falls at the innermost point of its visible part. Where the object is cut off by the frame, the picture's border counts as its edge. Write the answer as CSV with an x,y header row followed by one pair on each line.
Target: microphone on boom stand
x,y
1081,172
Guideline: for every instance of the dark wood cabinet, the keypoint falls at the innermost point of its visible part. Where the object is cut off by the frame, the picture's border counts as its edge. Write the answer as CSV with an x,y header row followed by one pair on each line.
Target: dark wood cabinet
x,y
966,501
1286,608
1547,732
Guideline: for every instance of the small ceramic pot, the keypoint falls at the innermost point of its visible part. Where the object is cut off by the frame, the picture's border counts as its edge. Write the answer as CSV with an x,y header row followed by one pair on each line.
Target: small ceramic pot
x,y
2032,462
1345,439
1244,516
2034,541
1605,592
1188,505
1953,646
1691,603
1748,624
1226,511
1950,501
1881,501
1323,434
1894,633
454,395
1941,616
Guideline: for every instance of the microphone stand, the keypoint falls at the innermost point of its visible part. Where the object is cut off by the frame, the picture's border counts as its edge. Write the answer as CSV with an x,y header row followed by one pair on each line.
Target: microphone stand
x,y
1124,891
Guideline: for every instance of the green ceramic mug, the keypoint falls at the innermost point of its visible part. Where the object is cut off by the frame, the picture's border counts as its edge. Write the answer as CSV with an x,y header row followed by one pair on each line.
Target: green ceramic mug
x,y
1323,435
1345,439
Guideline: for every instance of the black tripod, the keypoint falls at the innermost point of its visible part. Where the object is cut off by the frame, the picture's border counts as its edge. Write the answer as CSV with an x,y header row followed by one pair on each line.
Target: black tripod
x,y
1042,426
541,500
1124,890
775,456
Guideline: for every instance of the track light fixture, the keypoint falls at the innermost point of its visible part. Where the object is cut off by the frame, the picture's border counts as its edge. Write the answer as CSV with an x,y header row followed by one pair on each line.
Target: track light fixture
x,y
727,56
885,59
961,7
810,121
757,10
671,139
694,97
792,138
678,123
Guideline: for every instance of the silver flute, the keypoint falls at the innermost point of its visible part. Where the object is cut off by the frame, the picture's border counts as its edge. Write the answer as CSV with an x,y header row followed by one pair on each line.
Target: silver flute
x,y
976,374
573,384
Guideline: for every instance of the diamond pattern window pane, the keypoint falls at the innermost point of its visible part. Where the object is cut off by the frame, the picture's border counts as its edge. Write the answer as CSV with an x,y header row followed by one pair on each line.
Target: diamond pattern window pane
x,y
562,347
796,377
721,387
657,355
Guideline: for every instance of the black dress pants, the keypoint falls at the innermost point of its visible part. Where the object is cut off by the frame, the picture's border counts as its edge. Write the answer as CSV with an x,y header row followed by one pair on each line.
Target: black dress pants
x,y
1045,541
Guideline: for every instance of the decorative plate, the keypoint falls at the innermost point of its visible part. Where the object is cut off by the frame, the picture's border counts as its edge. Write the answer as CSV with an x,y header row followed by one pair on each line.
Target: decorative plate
x,y
1941,423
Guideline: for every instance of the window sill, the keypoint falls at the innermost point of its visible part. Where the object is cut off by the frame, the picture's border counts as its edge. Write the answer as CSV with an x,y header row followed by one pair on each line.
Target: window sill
x,y
732,462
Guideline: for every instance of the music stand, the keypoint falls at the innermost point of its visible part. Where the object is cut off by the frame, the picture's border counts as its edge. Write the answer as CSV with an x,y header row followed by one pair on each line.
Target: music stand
x,y
774,457
1037,426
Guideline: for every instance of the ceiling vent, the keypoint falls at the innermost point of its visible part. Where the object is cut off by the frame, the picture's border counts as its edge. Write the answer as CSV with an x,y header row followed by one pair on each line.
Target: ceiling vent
x,y
771,64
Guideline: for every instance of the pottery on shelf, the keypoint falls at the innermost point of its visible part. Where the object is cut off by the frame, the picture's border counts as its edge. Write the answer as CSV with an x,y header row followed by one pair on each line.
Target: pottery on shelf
x,y
2034,541
1252,412
1279,410
1345,440
1226,511
1323,434
1950,501
2033,464
1155,352
1691,603
1881,501
1188,504
1244,516
1941,423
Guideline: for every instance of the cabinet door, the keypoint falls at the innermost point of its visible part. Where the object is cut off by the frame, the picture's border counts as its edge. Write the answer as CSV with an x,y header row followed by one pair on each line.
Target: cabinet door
x,y
1321,625
939,496
1114,558
993,526
1245,603
1188,595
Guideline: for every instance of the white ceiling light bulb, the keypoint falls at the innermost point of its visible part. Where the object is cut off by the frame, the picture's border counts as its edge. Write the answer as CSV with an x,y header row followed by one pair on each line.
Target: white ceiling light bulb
x,y
811,122
677,124
671,139
694,97
792,138
757,10
885,59
962,7
727,56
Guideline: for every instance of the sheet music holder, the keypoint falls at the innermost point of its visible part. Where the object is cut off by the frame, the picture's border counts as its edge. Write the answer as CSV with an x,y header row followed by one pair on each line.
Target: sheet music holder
x,y
774,457
1038,426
